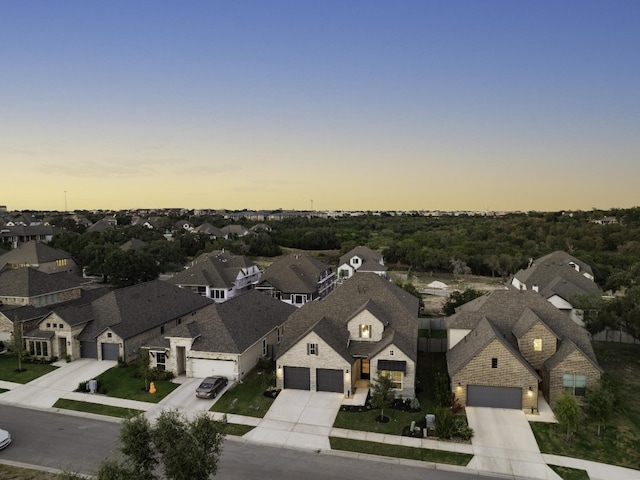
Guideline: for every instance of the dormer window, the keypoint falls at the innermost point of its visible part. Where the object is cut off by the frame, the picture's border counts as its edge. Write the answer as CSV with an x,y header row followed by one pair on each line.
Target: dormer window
x,y
537,345
365,331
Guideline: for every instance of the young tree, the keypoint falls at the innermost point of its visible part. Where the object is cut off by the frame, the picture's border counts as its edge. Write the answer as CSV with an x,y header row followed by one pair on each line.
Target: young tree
x,y
599,404
382,393
144,368
568,413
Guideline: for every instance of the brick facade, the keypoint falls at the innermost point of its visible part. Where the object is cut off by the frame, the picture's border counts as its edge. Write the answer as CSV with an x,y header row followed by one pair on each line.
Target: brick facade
x,y
526,345
575,363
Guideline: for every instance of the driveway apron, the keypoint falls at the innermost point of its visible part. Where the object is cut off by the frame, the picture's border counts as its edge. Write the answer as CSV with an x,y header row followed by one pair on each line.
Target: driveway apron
x,y
300,419
184,400
504,443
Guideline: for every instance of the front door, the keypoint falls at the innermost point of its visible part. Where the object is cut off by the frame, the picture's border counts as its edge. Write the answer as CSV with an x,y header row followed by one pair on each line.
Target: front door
x,y
62,342
364,369
181,358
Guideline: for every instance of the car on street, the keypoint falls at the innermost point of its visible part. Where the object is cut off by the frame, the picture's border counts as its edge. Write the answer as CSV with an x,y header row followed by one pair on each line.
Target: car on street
x,y
5,439
210,387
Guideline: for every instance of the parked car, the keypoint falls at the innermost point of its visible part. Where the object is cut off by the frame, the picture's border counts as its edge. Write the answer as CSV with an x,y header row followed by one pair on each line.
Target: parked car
x,y
210,387
5,438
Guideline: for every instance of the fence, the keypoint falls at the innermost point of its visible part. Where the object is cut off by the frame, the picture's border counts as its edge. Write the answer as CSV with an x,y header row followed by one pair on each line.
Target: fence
x,y
436,323
432,345
614,336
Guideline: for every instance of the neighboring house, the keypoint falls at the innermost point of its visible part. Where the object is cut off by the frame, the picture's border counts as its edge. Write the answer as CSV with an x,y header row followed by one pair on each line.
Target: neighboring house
x,y
133,245
297,279
365,327
182,226
41,257
219,275
28,286
235,231
128,318
209,230
361,259
260,227
16,235
507,347
605,221
558,277
101,226
223,339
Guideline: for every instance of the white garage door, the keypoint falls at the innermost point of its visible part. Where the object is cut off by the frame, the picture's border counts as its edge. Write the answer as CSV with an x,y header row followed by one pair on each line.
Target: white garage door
x,y
201,368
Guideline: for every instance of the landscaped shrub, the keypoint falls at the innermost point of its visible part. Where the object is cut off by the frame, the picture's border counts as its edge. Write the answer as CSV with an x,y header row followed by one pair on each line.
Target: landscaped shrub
x,y
445,423
441,390
155,374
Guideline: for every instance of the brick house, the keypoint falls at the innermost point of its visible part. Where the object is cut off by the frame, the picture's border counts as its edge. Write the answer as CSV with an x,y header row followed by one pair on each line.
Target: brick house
x,y
507,347
365,326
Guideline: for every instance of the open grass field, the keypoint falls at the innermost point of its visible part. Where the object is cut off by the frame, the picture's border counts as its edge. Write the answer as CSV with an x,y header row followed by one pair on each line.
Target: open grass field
x,y
620,444
30,371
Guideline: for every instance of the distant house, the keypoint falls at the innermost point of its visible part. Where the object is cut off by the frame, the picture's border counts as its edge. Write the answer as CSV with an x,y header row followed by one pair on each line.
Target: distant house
x,y
101,226
507,347
361,259
558,277
218,275
365,327
223,339
39,256
132,245
182,226
209,230
297,279
606,221
235,230
16,235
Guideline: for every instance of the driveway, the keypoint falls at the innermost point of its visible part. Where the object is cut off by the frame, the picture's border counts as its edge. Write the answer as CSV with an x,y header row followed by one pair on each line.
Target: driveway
x,y
504,443
43,392
300,419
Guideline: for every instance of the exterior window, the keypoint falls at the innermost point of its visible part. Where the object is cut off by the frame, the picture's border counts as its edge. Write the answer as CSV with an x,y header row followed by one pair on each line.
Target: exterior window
x,y
48,325
264,347
356,261
162,329
218,294
55,325
61,263
537,345
39,348
392,353
365,331
494,363
574,384
279,335
161,361
201,291
109,335
312,349
298,299
396,378
343,273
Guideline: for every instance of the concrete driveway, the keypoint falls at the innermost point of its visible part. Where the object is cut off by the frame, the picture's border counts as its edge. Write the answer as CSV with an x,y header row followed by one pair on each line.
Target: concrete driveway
x,y
43,392
300,419
504,443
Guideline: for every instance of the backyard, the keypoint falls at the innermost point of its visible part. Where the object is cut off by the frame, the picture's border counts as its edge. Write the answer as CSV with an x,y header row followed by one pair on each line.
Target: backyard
x,y
619,444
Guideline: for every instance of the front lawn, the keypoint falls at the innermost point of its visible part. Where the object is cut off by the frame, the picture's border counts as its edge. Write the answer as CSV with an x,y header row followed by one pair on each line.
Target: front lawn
x,y
8,472
619,446
398,451
96,408
30,371
247,398
124,382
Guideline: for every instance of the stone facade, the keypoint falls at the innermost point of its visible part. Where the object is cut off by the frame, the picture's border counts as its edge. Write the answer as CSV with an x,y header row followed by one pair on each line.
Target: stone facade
x,y
548,342
510,372
575,363
365,318
392,352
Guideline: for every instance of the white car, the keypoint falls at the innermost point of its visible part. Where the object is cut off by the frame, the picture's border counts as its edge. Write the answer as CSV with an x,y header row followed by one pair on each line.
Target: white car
x,y
5,438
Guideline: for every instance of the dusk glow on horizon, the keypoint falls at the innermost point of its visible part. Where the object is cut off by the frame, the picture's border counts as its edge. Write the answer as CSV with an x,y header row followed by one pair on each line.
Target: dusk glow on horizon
x,y
412,105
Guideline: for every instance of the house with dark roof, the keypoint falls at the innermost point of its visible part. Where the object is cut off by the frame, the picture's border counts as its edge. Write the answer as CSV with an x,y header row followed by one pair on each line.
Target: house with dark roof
x,y
16,235
361,259
558,277
365,327
133,245
508,347
39,256
297,279
219,275
225,339
235,231
209,230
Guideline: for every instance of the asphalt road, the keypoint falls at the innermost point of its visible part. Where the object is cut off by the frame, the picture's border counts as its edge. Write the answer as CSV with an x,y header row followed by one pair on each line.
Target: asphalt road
x,y
79,444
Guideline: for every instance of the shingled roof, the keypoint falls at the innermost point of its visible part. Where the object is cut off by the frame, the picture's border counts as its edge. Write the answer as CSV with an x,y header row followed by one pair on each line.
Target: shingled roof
x,y
393,306
29,282
295,273
508,311
32,253
217,269
365,253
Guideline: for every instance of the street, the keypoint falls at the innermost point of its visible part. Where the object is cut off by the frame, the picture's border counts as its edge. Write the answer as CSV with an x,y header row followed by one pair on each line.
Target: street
x,y
79,444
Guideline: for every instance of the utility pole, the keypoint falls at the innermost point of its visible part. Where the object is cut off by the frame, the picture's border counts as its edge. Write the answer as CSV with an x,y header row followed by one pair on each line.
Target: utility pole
x,y
65,202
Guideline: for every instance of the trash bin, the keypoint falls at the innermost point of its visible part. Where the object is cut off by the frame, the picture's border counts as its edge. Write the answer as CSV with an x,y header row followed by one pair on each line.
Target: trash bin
x,y
93,386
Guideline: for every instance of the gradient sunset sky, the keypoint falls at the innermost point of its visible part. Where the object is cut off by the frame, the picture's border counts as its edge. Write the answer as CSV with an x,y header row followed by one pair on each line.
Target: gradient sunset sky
x,y
375,105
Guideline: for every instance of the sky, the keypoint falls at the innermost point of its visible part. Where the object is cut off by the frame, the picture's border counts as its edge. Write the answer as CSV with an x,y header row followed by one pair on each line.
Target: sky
x,y
330,105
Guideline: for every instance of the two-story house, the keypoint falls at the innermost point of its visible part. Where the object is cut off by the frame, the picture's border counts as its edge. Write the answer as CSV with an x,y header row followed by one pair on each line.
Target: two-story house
x,y
361,259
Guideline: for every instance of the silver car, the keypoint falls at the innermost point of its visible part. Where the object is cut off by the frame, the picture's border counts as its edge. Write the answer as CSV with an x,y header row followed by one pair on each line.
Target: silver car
x,y
210,387
5,439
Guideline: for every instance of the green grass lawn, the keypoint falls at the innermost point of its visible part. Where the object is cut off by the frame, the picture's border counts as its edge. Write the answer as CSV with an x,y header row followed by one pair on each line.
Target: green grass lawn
x,y
237,429
398,451
96,408
247,398
31,371
124,382
619,446
8,472
429,364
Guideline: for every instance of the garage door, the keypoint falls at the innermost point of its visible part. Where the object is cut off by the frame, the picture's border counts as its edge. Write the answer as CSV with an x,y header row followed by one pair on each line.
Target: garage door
x,y
89,350
496,397
110,351
328,380
202,367
297,377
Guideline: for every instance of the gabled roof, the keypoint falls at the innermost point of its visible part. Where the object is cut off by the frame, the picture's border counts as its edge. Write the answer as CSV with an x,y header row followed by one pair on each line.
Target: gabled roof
x,y
29,282
394,307
234,326
101,226
527,320
565,349
372,266
74,314
294,273
132,245
132,310
365,253
485,333
238,230
208,229
563,258
216,269
32,253
505,309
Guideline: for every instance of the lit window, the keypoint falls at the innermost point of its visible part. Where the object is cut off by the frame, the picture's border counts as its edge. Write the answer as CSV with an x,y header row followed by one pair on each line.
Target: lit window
x,y
537,345
365,331
396,378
